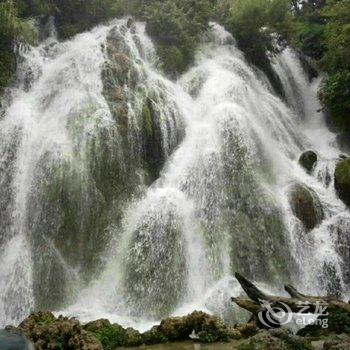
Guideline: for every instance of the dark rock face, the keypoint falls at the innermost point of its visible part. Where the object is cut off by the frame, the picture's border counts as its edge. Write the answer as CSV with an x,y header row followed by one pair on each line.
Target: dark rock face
x,y
10,341
342,180
306,206
307,160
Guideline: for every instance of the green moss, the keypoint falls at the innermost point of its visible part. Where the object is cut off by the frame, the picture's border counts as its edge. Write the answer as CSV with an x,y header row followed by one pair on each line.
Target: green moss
x,y
306,206
111,336
339,321
342,180
147,121
154,336
174,61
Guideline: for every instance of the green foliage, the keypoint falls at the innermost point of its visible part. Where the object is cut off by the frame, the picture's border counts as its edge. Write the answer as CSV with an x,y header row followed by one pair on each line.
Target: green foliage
x,y
73,17
337,37
176,27
339,322
309,37
258,25
254,23
11,28
335,95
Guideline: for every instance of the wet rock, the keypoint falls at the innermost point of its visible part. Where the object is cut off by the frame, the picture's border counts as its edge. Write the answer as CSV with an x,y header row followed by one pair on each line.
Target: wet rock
x,y
10,341
342,180
306,206
308,160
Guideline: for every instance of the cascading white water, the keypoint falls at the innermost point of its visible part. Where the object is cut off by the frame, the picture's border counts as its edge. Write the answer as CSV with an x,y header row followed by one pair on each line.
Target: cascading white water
x,y
226,154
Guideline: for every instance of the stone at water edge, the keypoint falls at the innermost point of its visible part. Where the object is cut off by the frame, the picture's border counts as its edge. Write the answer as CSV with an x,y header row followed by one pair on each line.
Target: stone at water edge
x,y
308,160
342,180
10,341
306,206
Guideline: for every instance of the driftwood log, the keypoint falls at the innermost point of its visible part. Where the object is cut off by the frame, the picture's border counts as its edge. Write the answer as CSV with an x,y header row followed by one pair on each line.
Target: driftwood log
x,y
297,303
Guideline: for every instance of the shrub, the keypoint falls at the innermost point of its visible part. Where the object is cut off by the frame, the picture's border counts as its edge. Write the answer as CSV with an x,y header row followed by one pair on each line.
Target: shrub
x,y
335,95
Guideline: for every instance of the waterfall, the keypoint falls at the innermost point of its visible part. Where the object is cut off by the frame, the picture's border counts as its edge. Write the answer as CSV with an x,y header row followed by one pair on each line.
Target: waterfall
x,y
128,196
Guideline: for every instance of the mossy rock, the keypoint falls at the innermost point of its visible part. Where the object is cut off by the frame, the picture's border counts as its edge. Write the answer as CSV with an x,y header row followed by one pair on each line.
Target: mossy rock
x,y
337,322
110,335
271,340
306,206
342,180
209,329
48,332
134,337
308,160
154,336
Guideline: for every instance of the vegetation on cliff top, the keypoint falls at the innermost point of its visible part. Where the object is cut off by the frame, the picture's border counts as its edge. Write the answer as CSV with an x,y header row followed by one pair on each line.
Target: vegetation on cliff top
x,y
319,28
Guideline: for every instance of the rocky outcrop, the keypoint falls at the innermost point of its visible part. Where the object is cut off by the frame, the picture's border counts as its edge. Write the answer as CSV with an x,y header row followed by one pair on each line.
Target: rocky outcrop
x,y
342,180
49,333
306,206
308,160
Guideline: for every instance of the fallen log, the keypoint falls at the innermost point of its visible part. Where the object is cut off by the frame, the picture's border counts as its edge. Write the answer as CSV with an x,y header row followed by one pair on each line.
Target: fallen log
x,y
259,303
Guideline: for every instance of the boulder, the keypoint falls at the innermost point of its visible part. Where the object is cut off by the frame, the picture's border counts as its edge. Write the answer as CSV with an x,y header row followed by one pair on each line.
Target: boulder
x,y
208,328
48,332
11,341
110,335
154,336
306,206
308,160
342,180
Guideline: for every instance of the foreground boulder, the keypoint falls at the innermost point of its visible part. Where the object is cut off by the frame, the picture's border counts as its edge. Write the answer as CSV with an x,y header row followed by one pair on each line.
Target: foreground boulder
x,y
10,341
306,206
49,333
342,180
308,160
